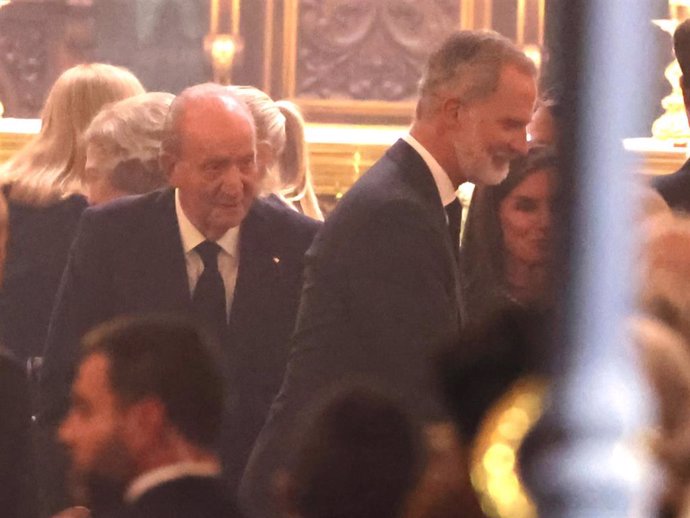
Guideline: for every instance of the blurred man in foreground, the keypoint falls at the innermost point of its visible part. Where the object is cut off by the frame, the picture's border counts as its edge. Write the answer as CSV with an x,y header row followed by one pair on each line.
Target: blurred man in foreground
x,y
146,409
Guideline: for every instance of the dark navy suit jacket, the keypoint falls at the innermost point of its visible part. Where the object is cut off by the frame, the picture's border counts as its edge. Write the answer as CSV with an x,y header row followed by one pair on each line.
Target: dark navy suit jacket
x,y
675,188
17,491
37,249
380,293
127,258
188,497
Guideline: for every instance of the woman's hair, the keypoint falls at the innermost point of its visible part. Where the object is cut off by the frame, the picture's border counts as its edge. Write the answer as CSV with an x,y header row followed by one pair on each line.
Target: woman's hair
x,y
359,455
51,165
130,132
280,124
483,251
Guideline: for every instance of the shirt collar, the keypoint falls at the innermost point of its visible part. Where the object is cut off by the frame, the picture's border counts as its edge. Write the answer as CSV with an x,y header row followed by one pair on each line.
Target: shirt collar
x,y
147,481
191,237
441,179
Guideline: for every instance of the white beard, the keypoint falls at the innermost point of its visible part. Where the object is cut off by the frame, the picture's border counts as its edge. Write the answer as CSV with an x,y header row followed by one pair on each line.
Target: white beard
x,y
477,166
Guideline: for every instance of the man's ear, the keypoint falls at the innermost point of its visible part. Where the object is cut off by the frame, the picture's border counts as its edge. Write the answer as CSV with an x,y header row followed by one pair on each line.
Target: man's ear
x,y
145,423
452,110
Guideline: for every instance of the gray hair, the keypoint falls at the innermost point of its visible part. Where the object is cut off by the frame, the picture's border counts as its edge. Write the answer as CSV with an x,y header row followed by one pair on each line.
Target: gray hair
x,y
469,63
131,131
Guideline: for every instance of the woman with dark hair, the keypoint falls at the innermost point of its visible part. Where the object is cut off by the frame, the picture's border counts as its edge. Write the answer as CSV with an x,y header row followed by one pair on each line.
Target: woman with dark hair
x,y
507,244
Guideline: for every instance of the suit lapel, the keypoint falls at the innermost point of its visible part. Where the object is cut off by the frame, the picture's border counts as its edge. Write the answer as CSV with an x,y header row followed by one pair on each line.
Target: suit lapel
x,y
162,278
417,173
258,276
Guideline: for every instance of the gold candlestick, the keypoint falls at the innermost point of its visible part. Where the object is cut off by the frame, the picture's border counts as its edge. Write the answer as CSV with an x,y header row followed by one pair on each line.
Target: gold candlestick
x,y
223,46
673,124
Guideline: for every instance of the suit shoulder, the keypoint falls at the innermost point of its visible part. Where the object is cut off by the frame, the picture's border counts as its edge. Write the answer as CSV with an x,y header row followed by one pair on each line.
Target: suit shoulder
x,y
131,208
192,497
400,176
283,218
675,187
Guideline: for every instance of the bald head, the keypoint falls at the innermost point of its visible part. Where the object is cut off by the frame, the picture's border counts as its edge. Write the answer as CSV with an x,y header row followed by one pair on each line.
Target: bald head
x,y
194,102
209,154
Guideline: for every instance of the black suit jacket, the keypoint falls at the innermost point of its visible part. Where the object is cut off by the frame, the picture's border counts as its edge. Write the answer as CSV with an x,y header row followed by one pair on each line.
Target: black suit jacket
x,y
188,497
675,188
127,258
17,482
37,248
380,293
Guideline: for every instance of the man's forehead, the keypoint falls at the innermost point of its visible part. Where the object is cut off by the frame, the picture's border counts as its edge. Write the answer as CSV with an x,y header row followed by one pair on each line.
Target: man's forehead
x,y
209,120
517,82
93,371
220,107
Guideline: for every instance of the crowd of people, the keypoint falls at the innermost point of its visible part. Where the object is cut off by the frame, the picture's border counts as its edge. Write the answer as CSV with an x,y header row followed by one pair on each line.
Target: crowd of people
x,y
186,336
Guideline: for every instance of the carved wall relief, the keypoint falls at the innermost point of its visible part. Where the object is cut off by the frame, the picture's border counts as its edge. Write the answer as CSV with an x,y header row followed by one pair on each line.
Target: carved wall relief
x,y
38,40
23,60
367,49
359,60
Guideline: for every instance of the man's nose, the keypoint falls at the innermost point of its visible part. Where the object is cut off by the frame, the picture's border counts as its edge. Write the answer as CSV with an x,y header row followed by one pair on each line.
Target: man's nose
x,y
519,143
232,180
545,218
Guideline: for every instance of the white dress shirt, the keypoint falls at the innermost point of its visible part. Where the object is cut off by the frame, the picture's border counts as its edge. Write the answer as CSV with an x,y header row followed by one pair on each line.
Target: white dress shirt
x,y
441,178
228,257
147,481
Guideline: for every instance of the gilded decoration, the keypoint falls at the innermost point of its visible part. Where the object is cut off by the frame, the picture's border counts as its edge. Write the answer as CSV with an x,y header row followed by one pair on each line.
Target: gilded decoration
x,y
367,49
23,58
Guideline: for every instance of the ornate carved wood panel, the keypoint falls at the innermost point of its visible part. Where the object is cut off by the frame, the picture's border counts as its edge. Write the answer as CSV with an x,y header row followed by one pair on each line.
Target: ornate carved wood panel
x,y
354,59
38,40
367,49
360,60
23,62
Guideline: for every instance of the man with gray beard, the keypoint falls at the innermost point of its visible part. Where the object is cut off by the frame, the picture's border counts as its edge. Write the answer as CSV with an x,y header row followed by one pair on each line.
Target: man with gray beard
x,y
381,288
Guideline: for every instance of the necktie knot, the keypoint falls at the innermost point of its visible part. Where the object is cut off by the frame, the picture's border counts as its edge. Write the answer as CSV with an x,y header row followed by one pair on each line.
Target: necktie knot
x,y
208,251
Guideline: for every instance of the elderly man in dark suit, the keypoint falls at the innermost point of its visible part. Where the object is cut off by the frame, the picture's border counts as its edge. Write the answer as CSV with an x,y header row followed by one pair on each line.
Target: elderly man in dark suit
x,y
206,247
147,406
381,284
675,187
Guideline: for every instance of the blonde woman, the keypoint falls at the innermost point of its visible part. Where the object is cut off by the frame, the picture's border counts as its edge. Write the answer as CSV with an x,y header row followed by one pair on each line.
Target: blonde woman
x,y
44,185
282,154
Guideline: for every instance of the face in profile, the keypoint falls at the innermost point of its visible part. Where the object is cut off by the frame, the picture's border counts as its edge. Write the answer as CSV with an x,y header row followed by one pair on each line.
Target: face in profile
x,y
94,434
492,130
525,216
216,170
